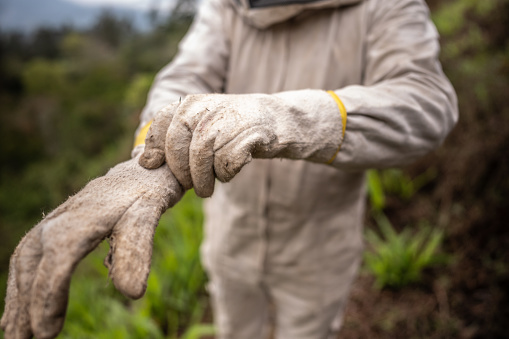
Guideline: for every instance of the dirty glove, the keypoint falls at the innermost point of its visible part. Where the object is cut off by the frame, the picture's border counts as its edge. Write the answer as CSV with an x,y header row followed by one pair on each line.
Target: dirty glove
x,y
125,205
215,135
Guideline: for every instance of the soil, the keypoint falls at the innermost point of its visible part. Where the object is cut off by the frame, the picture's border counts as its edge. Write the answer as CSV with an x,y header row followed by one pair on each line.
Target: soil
x,y
469,296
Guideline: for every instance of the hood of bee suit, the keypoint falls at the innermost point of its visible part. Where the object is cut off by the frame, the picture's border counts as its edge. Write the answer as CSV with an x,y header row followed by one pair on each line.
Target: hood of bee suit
x,y
265,13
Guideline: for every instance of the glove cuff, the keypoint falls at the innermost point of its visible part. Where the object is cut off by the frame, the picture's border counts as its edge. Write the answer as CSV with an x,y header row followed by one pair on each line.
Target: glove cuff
x,y
342,111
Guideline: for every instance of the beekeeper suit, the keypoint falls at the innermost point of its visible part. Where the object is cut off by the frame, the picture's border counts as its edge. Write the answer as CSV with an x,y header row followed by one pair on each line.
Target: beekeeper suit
x,y
326,89
340,86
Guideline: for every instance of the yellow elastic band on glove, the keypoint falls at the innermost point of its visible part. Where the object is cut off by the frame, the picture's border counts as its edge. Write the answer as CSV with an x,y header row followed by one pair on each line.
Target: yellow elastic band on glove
x,y
342,110
140,138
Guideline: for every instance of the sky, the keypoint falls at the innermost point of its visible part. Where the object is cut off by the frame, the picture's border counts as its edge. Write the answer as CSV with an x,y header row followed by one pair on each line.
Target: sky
x,y
27,15
140,4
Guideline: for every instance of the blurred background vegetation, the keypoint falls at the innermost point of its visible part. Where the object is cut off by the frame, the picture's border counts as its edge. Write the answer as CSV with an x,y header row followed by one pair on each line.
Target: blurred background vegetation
x,y
437,257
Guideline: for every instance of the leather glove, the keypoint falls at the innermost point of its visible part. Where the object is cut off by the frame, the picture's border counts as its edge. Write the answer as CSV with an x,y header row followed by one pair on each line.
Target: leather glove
x,y
125,205
215,135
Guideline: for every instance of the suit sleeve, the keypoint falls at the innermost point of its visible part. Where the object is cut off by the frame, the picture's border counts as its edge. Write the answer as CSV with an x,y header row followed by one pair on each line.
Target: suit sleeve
x,y
405,106
199,66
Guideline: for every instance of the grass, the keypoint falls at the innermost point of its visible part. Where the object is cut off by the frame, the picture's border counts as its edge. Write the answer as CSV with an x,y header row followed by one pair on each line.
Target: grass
x,y
398,259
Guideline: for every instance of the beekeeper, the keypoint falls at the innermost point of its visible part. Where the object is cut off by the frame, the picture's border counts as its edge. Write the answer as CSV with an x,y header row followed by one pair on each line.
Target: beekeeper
x,y
287,101
316,92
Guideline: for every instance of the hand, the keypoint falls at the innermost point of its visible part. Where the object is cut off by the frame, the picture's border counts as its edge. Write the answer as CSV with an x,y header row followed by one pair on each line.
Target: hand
x,y
125,205
215,135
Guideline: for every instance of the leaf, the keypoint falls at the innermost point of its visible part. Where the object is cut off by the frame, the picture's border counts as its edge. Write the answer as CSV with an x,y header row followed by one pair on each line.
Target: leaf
x,y
397,259
376,191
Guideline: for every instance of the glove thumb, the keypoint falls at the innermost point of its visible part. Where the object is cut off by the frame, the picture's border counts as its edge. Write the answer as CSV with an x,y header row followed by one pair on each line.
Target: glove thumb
x,y
153,155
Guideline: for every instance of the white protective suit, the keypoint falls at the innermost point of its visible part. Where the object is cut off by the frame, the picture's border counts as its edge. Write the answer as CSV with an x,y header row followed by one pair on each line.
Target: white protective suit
x,y
286,235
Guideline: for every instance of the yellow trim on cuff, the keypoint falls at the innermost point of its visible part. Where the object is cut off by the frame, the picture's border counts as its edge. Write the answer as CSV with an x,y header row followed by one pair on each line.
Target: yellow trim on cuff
x,y
342,110
140,138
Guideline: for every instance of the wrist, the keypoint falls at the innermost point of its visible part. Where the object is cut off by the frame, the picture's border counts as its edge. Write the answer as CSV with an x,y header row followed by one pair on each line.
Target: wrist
x,y
318,125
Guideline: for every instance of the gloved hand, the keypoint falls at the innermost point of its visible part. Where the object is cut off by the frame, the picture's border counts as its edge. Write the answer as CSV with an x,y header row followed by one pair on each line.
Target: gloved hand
x,y
215,135
125,205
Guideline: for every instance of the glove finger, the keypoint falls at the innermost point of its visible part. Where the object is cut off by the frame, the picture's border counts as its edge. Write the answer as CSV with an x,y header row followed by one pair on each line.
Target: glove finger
x,y
178,141
131,240
24,263
201,156
131,247
65,242
11,296
230,158
153,155
201,162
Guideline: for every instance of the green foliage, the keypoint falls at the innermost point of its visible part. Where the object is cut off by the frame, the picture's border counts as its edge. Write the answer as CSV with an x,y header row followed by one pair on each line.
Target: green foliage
x,y
395,182
450,19
96,311
397,260
375,190
136,93
475,54
43,77
175,296
197,331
